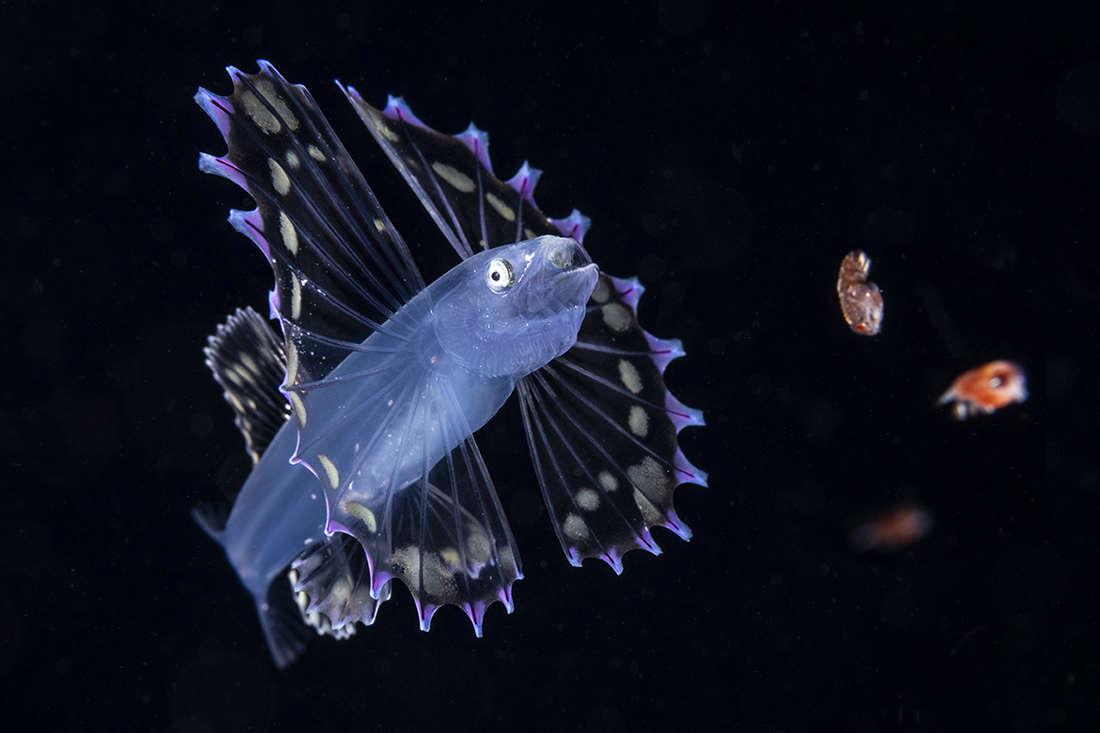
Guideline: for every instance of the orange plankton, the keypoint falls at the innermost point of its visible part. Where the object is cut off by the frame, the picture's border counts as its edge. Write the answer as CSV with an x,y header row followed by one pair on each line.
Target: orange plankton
x,y
985,389
894,529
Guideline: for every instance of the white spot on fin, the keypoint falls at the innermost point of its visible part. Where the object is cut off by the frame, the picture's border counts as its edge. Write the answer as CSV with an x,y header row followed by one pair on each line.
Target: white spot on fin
x,y
587,499
615,315
289,233
360,512
260,114
295,297
574,528
279,179
455,177
437,579
299,408
477,545
629,374
501,208
330,469
291,363
250,364
602,293
649,477
267,89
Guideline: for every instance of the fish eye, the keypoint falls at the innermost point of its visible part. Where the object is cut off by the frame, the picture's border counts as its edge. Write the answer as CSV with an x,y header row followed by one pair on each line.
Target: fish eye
x,y
500,276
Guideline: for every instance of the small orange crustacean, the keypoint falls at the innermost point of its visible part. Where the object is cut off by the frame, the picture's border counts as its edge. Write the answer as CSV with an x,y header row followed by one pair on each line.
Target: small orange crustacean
x,y
986,389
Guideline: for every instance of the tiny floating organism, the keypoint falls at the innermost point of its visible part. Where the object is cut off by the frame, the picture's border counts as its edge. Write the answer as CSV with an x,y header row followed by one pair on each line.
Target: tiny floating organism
x,y
892,530
860,301
986,389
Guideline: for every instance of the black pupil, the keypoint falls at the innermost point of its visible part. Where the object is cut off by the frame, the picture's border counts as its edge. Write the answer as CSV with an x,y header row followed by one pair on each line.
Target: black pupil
x,y
495,276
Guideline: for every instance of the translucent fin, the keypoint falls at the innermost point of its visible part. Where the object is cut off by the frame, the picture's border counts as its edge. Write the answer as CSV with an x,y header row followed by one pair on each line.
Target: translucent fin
x,y
423,506
453,177
211,519
341,269
602,428
332,587
281,621
248,362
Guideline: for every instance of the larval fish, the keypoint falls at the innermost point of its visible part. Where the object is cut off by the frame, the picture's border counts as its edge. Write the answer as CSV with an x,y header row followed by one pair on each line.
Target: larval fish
x,y
360,413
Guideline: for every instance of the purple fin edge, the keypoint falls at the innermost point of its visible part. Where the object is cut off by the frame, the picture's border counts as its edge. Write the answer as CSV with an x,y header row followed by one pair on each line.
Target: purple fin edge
x,y
478,143
524,182
576,226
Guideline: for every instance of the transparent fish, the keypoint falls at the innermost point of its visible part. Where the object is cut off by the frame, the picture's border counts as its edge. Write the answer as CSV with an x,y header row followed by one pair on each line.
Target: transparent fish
x,y
360,415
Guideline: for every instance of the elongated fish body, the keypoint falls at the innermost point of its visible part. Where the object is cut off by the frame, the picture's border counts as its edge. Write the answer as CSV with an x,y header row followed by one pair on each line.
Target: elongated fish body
x,y
360,415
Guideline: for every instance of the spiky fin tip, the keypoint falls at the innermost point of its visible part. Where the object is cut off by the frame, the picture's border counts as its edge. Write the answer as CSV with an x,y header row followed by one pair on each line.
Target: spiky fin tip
x,y
575,225
525,180
478,143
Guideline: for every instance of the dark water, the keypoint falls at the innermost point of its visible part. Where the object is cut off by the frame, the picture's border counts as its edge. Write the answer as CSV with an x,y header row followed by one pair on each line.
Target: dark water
x,y
729,155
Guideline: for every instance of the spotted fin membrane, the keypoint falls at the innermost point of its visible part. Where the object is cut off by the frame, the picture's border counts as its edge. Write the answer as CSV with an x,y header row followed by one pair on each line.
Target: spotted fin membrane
x,y
601,425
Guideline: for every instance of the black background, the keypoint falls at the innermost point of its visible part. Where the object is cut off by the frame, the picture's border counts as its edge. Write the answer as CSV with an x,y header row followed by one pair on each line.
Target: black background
x,y
729,154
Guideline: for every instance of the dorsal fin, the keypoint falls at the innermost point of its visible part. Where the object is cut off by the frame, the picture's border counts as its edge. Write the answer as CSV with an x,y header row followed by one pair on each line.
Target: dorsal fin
x,y
248,361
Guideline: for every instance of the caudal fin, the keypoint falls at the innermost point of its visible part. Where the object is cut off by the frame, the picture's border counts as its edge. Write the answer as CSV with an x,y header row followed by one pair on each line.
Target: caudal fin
x,y
282,624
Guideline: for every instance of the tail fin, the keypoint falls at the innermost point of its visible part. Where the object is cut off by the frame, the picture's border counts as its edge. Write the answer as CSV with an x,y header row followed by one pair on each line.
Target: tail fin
x,y
282,624
211,518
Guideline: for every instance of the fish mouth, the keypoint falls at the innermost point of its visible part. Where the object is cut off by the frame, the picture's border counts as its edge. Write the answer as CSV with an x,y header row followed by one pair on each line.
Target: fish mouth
x,y
559,276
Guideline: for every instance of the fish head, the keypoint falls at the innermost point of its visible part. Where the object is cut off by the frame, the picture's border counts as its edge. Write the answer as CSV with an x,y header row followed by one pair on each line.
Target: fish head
x,y
511,310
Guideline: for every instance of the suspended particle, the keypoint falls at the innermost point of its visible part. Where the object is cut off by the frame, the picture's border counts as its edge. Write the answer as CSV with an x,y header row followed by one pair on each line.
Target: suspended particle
x,y
892,530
